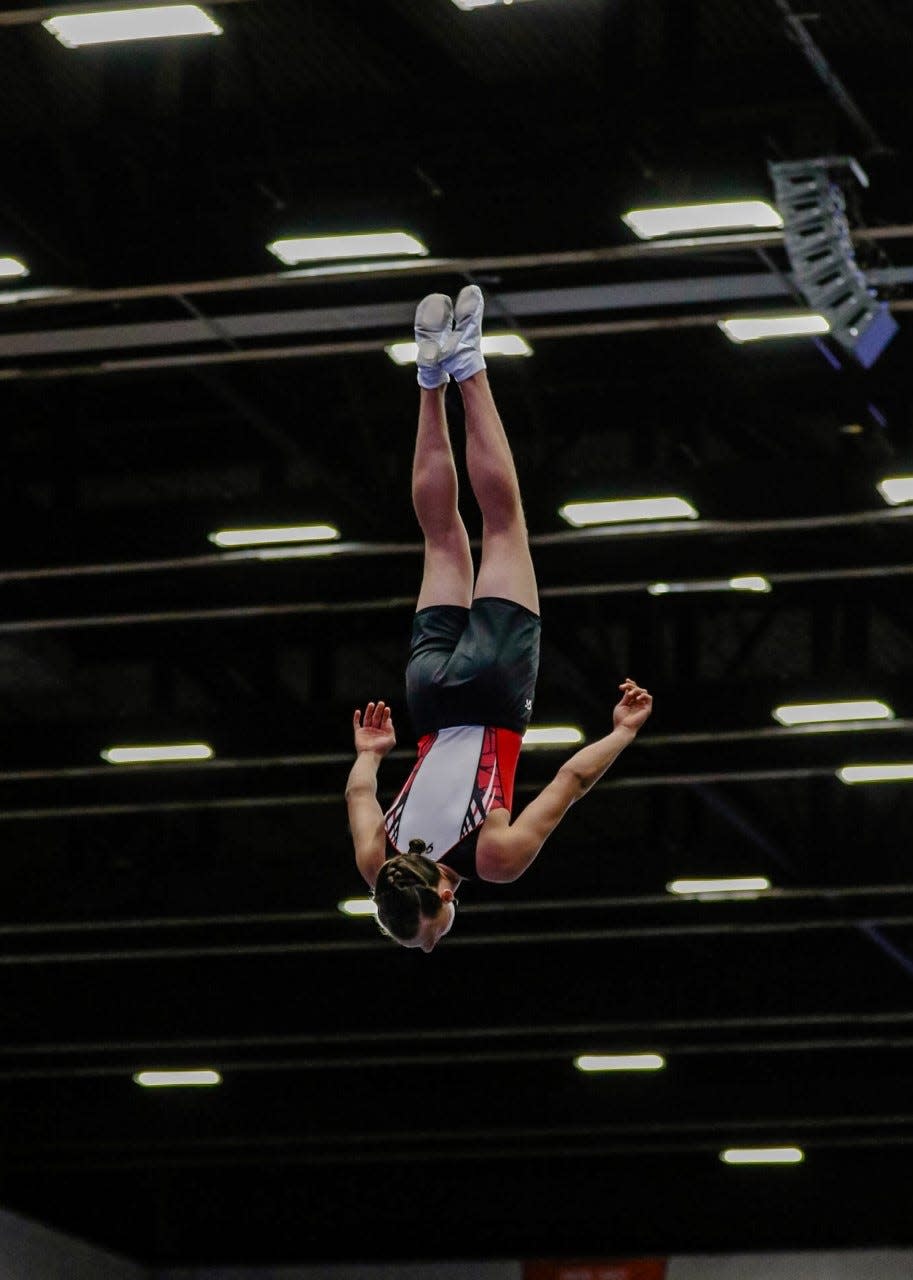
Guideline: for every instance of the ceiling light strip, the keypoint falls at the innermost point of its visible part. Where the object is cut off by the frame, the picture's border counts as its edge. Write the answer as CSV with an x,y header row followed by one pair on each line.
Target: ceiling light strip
x,y
39,13
12,269
800,713
717,216
177,753
176,1078
595,1062
762,1155
129,23
274,534
719,887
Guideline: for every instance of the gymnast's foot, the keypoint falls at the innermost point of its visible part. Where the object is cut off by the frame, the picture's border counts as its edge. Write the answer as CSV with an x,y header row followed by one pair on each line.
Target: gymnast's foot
x,y
433,327
463,348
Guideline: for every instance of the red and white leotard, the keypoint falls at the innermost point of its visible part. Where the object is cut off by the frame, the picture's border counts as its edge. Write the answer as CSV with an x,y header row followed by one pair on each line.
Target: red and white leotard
x,y
461,775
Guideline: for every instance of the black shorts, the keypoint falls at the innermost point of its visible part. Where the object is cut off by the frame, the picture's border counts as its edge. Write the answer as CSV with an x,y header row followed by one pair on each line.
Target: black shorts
x,y
473,666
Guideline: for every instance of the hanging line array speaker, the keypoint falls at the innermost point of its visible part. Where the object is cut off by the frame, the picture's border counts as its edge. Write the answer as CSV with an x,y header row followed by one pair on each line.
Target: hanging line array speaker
x,y
821,254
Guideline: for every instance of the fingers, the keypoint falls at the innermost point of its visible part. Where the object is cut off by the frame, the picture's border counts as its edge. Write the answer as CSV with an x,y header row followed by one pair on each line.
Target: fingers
x,y
377,716
632,693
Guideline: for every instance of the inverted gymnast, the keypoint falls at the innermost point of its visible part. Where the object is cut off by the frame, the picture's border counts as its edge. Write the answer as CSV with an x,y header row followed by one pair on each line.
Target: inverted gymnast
x,y
471,675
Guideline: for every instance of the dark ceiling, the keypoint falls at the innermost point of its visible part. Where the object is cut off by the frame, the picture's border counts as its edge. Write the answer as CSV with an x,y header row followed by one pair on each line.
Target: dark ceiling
x,y
380,1103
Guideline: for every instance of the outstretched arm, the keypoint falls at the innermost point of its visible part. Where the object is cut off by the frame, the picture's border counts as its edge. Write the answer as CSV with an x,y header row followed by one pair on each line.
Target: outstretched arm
x,y
504,853
374,737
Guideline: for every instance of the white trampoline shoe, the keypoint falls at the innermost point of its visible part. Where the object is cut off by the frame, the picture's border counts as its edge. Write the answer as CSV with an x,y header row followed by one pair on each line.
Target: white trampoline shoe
x,y
463,348
433,328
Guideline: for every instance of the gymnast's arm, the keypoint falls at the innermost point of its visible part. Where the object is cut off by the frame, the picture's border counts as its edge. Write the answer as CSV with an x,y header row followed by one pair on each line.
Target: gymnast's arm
x,y
504,852
374,737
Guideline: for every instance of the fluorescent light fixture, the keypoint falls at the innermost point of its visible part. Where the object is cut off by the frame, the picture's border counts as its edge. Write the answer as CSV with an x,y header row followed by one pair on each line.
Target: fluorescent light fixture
x,y
500,344
402,352
701,888
876,773
506,344
358,907
294,553
158,755
479,4
10,296
279,534
648,223
896,489
375,244
620,1062
748,583
823,712
751,328
111,25
12,269
617,512
554,736
168,1079
762,1155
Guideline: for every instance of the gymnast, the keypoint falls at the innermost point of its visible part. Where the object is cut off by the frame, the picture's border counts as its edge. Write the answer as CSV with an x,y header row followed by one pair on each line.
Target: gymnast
x,y
471,674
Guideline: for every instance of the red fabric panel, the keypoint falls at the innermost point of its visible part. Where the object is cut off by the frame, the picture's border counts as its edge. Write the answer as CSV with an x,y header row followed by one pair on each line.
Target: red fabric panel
x,y
608,1269
508,753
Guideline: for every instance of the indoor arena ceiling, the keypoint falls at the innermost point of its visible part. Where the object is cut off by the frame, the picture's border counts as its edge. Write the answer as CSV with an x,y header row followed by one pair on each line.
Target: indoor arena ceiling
x,y
162,376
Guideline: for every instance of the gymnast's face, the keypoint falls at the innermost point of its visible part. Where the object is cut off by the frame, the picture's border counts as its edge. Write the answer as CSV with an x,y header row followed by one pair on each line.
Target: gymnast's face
x,y
431,931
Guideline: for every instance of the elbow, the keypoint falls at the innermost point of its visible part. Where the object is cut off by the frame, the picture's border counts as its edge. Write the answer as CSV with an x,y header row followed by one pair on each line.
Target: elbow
x,y
503,865
579,781
502,872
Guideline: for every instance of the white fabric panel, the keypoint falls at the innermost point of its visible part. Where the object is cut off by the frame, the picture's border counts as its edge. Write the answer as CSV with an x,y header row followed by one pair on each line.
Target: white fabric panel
x,y
440,794
852,1264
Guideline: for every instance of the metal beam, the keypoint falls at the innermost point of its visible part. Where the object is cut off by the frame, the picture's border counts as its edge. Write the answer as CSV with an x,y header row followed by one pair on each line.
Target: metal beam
x,y
800,35
570,537
320,798
500,907
420,267
549,1143
359,1061
77,622
416,1036
328,758
537,938
365,346
593,298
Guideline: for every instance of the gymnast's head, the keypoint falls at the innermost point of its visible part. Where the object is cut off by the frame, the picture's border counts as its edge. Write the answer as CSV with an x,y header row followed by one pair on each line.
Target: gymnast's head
x,y
415,903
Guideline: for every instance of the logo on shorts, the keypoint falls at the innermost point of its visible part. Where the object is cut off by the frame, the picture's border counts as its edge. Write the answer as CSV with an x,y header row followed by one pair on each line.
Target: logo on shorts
x,y
529,704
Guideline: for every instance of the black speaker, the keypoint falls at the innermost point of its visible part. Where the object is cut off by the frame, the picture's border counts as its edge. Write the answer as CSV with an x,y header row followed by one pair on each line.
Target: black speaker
x,y
820,251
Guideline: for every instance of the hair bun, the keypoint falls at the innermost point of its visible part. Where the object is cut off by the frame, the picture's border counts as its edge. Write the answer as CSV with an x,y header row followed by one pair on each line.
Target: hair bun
x,y
417,846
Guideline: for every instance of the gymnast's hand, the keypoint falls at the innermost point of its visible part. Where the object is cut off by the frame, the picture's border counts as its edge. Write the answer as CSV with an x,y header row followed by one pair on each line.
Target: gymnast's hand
x,y
375,731
634,708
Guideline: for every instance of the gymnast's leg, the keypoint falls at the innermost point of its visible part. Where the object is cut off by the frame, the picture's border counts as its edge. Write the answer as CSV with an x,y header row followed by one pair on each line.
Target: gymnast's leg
x,y
506,567
448,572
